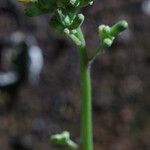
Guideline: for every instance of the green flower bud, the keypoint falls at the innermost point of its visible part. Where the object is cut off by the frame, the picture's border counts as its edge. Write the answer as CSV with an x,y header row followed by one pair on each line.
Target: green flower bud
x,y
118,28
106,29
67,21
74,31
60,138
107,42
64,18
63,139
86,2
75,3
67,31
77,22
106,38
60,16
68,4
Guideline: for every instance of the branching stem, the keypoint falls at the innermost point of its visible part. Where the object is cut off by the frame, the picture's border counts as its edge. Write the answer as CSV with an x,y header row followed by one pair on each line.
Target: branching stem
x,y
98,51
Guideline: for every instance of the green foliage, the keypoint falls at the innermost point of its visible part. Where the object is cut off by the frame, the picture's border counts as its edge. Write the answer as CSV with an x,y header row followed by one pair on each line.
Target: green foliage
x,y
66,19
65,12
40,7
66,16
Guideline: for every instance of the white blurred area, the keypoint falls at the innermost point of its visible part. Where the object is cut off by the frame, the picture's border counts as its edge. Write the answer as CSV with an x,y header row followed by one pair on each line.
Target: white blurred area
x,y
31,60
146,7
35,55
8,78
35,64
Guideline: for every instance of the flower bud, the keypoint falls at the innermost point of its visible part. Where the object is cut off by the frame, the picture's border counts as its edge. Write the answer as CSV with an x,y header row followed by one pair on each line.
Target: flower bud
x,y
107,42
118,28
87,2
108,34
63,139
77,22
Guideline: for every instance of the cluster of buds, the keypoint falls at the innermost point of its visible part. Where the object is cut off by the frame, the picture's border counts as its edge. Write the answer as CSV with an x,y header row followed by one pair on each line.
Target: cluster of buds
x,y
66,18
108,34
65,13
63,139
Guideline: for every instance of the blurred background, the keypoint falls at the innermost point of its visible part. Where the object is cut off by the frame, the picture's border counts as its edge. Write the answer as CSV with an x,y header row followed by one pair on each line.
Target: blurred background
x,y
31,112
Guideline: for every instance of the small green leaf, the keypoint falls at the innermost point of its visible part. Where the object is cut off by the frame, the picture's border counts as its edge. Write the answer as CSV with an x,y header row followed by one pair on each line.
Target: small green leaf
x,y
33,11
40,7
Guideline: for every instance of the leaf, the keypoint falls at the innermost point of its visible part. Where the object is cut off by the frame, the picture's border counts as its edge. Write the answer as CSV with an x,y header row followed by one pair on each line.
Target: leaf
x,y
40,7
33,11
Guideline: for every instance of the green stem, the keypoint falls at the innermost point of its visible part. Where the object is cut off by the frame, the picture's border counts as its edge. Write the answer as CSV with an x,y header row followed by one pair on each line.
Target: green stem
x,y
94,56
86,98
86,104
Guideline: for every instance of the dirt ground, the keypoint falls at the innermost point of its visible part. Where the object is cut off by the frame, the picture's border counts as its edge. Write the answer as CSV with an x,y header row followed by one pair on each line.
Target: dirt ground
x,y
120,80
